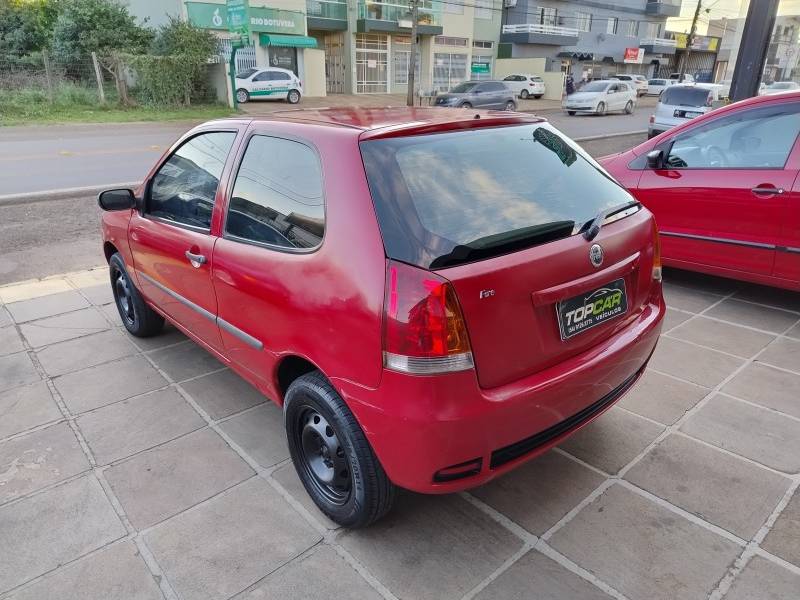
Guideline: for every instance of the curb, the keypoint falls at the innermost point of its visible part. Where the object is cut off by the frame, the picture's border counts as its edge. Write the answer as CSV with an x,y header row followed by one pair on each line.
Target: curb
x,y
30,197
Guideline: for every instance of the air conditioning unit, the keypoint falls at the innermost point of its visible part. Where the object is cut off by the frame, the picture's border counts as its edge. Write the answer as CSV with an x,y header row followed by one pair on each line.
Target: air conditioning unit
x,y
509,3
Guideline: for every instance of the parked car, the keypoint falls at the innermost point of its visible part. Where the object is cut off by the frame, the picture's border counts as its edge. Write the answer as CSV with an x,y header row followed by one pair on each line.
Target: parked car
x,y
639,82
725,190
656,86
779,87
687,77
525,86
599,97
270,83
433,298
479,94
679,103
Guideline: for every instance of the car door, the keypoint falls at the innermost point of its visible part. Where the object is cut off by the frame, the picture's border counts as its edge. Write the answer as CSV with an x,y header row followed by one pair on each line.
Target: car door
x,y
262,85
515,83
787,253
171,238
721,198
611,97
274,223
280,84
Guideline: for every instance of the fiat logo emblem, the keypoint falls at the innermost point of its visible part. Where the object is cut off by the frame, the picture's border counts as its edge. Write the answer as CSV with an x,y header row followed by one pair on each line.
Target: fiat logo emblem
x,y
596,255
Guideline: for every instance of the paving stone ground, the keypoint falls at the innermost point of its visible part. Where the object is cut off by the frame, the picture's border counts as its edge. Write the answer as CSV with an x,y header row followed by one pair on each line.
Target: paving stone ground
x,y
144,469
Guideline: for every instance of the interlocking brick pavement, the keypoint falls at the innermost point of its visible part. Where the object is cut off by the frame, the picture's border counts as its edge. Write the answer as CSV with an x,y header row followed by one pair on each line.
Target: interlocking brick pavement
x,y
144,469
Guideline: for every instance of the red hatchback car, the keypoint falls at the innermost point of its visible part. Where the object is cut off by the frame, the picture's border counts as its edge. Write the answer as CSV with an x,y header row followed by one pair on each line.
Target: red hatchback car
x,y
433,296
725,191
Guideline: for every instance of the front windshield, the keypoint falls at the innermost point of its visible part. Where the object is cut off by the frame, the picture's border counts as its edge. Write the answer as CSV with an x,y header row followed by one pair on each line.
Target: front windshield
x,y
463,88
595,86
781,85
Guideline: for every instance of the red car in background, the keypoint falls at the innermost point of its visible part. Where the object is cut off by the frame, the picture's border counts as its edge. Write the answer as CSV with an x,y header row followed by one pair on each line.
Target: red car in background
x,y
725,190
434,297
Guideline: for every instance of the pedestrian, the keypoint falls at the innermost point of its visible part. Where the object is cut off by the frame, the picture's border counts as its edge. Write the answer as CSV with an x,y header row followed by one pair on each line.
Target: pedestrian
x,y
570,85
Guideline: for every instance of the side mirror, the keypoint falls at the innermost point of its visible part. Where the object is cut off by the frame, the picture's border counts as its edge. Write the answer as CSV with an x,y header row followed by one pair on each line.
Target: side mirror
x,y
121,199
655,159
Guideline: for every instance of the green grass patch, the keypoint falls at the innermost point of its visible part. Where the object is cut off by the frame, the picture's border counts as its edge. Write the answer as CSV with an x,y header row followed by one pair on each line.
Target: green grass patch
x,y
77,104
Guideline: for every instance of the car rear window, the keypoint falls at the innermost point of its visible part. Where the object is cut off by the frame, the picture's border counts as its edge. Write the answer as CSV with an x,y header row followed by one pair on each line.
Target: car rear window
x,y
440,193
657,81
684,96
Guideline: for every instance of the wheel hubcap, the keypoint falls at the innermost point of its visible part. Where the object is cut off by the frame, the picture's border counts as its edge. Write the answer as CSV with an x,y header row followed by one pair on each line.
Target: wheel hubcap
x,y
324,458
124,301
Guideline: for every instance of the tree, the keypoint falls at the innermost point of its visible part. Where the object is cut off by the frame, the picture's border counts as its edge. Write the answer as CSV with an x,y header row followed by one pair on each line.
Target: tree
x,y
179,37
25,26
104,27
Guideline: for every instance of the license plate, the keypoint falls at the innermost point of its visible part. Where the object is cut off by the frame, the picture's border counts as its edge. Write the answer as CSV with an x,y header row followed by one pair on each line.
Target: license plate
x,y
687,114
583,312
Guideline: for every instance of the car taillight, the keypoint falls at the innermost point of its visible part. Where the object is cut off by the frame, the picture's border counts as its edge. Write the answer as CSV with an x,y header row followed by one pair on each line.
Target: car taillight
x,y
656,253
424,330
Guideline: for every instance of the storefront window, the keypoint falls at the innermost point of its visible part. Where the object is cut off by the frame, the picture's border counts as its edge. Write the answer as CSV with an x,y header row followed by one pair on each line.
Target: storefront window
x,y
448,70
372,63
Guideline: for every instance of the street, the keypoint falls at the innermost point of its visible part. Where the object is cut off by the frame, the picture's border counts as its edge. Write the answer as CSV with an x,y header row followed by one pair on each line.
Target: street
x,y
37,159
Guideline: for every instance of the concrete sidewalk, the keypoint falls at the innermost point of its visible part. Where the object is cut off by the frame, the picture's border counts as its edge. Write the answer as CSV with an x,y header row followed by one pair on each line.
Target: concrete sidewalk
x,y
145,469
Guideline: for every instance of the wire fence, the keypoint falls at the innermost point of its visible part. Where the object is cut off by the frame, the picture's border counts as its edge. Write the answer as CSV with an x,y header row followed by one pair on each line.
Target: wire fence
x,y
45,80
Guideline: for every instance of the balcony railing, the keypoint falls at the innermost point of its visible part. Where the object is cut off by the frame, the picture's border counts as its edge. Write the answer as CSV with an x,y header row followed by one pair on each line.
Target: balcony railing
x,y
658,42
399,12
539,28
327,9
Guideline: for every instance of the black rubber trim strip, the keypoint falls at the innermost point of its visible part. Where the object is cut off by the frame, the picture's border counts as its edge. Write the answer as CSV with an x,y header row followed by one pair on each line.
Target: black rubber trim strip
x,y
232,329
508,453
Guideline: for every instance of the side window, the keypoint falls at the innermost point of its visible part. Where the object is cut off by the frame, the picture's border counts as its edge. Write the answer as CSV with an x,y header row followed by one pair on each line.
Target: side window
x,y
184,187
612,88
277,197
753,139
278,76
265,76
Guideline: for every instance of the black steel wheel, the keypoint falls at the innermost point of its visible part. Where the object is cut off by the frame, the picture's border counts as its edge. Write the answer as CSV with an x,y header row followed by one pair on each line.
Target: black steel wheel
x,y
332,456
138,318
323,458
510,105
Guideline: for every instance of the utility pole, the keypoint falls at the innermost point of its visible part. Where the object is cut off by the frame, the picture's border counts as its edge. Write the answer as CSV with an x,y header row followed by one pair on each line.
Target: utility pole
x,y
689,42
412,58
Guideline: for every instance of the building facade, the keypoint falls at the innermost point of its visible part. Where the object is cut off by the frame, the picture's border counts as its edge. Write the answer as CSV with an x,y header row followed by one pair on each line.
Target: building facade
x,y
590,39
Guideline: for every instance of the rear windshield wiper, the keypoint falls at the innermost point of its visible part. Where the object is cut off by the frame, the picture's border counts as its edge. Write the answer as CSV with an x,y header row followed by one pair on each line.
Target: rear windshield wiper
x,y
501,243
591,228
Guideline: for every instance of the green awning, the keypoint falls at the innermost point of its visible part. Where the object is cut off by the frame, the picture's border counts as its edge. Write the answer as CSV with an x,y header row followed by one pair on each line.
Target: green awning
x,y
292,41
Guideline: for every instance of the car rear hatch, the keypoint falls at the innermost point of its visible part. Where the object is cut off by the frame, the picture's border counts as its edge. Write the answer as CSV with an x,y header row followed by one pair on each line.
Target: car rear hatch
x,y
503,213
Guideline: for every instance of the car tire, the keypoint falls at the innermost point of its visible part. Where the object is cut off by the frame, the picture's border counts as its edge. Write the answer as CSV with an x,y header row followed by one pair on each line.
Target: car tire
x,y
332,456
510,106
466,105
138,318
242,96
293,97
629,107
601,109
571,113
524,94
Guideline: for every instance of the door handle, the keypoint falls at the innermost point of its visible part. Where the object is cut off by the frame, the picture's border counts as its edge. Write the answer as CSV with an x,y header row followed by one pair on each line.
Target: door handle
x,y
766,191
195,259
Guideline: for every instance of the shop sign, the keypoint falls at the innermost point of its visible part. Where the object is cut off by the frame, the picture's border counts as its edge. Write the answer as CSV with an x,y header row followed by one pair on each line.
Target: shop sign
x,y
480,67
634,55
208,15
238,19
702,43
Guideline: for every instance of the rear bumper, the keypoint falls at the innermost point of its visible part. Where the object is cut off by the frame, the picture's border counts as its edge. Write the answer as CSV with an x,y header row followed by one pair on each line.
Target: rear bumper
x,y
420,425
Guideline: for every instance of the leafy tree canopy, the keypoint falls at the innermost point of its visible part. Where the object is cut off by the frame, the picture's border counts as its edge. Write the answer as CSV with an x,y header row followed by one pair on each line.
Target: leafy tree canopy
x,y
25,25
102,26
179,37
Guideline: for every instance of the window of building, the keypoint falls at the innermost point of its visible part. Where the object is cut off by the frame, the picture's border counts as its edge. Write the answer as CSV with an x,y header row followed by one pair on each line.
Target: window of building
x,y
652,30
184,188
454,7
443,40
613,23
482,44
583,21
484,9
481,67
630,28
401,54
277,196
448,70
372,63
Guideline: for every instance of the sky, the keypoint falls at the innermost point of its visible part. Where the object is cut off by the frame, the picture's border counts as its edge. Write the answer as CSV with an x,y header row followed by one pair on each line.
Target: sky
x,y
731,9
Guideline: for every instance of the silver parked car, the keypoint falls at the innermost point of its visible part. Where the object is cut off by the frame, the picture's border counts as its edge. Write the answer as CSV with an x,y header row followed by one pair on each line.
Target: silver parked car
x,y
678,104
479,94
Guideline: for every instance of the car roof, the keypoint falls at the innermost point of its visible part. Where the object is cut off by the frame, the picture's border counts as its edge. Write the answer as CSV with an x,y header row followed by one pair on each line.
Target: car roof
x,y
272,69
396,121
